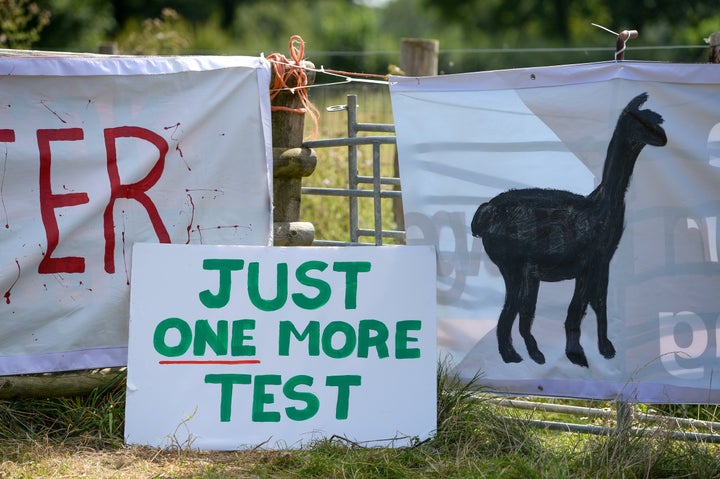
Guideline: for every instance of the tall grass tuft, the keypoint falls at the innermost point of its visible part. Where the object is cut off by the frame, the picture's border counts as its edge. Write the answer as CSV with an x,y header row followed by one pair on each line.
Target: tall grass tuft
x,y
470,425
95,420
475,437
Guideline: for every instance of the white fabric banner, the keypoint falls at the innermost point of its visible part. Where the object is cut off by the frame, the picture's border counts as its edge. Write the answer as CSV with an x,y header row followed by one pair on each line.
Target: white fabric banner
x,y
99,153
534,260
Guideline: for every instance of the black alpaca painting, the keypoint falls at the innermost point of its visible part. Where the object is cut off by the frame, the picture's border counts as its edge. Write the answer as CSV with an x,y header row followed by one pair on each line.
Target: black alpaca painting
x,y
536,234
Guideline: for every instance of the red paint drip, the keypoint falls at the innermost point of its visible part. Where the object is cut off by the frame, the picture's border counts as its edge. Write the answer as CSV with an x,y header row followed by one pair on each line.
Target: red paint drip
x,y
215,192
7,293
182,157
174,128
192,218
122,236
42,102
222,227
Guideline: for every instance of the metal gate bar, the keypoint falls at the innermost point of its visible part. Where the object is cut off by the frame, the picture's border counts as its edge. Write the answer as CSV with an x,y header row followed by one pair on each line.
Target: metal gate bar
x,y
655,422
353,191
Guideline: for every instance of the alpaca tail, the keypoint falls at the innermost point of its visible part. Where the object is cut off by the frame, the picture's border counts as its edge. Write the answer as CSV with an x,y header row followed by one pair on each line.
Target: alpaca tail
x,y
479,223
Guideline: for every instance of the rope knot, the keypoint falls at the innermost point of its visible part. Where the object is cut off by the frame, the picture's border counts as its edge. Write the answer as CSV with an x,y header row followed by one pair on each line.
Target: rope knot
x,y
290,75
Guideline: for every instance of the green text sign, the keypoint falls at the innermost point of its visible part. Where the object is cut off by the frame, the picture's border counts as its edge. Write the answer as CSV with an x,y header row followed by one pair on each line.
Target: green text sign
x,y
236,346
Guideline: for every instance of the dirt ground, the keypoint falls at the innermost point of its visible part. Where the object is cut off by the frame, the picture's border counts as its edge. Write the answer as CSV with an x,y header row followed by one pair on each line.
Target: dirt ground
x,y
130,463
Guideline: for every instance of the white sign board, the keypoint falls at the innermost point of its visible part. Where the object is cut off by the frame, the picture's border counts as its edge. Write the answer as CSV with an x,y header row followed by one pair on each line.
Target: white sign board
x,y
591,270
98,153
234,347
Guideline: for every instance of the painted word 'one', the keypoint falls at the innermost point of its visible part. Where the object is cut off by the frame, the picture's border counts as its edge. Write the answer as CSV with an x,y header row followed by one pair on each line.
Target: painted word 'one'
x,y
50,201
219,339
225,268
336,339
261,397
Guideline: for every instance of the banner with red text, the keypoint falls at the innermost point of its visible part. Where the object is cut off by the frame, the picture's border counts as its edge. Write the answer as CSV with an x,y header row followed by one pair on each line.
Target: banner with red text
x,y
99,153
575,211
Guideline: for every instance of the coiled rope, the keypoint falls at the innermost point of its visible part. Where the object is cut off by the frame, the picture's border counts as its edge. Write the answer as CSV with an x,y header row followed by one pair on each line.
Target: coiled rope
x,y
291,75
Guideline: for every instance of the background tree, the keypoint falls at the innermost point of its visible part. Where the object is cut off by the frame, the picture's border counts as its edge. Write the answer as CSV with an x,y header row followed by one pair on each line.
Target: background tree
x,y
559,19
76,26
364,35
168,34
21,22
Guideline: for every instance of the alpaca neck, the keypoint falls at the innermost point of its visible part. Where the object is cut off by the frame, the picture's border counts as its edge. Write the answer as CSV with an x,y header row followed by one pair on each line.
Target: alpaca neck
x,y
619,163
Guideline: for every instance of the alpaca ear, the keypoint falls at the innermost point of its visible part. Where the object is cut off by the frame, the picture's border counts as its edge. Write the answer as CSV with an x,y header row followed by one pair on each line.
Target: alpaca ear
x,y
637,102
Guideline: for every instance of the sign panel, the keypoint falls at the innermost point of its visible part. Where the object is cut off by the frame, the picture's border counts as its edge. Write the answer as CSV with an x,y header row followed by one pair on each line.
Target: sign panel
x,y
98,153
575,213
235,346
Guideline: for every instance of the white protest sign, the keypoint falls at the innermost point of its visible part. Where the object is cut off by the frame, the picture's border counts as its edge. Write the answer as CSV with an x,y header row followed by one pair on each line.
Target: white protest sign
x,y
239,346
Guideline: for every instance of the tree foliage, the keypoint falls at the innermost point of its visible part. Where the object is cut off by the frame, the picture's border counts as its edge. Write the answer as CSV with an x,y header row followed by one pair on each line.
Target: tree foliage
x,y
359,35
164,35
559,19
21,22
76,26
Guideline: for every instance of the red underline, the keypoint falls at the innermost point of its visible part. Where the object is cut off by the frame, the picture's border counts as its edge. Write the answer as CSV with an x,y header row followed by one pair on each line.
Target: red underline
x,y
212,361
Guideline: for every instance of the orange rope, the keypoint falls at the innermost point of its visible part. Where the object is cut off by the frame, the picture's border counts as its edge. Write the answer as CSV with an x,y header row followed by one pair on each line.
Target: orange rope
x,y
369,75
283,76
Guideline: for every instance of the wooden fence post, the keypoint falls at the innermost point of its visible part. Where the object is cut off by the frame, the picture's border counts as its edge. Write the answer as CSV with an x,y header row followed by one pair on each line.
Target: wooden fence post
x,y
61,384
109,48
714,41
418,58
291,162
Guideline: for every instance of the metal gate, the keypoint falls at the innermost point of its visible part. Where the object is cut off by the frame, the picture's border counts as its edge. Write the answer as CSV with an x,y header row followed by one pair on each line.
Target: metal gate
x,y
357,184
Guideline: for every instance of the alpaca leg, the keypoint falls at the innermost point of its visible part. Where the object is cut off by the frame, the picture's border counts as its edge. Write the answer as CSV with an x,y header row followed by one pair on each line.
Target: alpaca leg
x,y
528,301
507,318
598,301
576,311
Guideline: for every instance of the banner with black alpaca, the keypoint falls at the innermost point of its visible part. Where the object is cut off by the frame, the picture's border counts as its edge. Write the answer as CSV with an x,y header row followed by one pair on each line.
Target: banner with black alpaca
x,y
575,214
97,153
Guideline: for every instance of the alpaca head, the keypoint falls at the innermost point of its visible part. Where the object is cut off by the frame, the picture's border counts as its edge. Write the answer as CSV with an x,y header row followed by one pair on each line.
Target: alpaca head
x,y
642,125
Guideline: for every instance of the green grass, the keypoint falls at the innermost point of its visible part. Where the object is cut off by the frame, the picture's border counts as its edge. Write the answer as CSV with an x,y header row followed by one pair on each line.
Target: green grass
x,y
475,438
95,420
